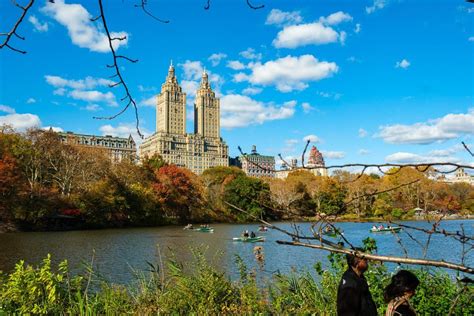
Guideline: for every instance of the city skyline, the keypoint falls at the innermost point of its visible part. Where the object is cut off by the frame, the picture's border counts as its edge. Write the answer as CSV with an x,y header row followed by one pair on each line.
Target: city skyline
x,y
372,81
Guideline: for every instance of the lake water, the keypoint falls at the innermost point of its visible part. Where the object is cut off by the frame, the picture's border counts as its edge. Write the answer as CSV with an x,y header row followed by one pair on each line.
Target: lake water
x,y
118,251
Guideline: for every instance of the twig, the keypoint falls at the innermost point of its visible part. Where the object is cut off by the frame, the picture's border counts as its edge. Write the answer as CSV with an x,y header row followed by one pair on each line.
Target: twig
x,y
118,74
254,7
143,6
15,26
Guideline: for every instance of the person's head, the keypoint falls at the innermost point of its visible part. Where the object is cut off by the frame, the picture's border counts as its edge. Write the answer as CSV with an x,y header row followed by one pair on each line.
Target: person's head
x,y
357,263
403,283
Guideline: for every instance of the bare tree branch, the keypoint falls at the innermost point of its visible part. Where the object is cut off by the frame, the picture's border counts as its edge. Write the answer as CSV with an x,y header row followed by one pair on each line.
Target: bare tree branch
x,y
118,74
414,261
143,6
207,6
13,31
467,148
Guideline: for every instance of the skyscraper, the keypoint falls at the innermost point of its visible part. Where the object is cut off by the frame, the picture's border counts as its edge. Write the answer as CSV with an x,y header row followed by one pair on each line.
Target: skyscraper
x,y
199,151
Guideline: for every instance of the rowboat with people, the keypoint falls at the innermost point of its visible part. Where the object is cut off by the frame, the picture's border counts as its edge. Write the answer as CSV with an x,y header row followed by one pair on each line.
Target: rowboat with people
x,y
202,228
382,229
249,239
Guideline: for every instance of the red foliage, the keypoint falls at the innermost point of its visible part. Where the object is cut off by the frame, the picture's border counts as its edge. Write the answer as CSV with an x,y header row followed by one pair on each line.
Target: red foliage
x,y
71,212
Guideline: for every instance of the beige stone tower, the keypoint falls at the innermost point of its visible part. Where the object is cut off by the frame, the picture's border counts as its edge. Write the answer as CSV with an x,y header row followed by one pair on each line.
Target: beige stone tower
x,y
206,110
171,107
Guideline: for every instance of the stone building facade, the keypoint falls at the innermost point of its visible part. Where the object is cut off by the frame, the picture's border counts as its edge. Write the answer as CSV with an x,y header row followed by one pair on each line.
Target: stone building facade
x,y
117,148
315,165
199,151
256,165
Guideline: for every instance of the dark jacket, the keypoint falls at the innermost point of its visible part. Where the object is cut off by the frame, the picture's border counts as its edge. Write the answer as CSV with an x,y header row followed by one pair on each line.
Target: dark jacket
x,y
353,296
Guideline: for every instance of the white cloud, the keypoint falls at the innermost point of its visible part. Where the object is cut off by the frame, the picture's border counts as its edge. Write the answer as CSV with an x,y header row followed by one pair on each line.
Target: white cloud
x,y
92,108
324,94
215,59
193,71
447,127
235,65
316,33
377,5
289,73
357,28
145,89
54,128
312,138
279,18
411,158
362,133
364,152
38,26
402,64
20,121
30,100
249,53
124,130
82,31
471,39
353,59
307,107
86,83
151,101
251,91
94,96
6,109
333,154
336,18
342,37
59,91
239,111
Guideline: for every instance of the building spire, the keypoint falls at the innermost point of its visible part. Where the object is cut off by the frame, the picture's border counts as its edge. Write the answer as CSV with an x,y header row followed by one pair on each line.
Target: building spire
x,y
205,80
171,75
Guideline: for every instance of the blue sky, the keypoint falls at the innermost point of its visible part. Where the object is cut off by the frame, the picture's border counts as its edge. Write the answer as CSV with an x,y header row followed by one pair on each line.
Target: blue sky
x,y
367,81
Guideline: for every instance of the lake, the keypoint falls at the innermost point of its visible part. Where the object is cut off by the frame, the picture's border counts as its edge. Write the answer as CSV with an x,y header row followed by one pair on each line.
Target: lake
x,y
117,252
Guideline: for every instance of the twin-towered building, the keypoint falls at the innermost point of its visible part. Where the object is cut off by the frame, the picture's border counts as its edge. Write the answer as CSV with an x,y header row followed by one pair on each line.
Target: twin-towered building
x,y
199,151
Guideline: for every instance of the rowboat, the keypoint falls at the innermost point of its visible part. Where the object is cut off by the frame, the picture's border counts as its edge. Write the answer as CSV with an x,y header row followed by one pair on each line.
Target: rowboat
x,y
204,229
249,239
381,230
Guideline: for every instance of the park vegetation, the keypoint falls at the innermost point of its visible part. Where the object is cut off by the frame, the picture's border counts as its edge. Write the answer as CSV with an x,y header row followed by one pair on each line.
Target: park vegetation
x,y
46,184
198,288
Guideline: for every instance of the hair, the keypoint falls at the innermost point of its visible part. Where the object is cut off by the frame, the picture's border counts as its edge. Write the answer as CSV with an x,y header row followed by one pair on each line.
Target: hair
x,y
402,282
353,260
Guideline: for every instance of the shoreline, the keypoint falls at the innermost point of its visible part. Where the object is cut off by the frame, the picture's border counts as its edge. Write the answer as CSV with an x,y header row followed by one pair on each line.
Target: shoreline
x,y
9,228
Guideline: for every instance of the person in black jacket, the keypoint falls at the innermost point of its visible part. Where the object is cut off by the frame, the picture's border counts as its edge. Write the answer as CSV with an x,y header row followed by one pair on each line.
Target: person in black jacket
x,y
353,295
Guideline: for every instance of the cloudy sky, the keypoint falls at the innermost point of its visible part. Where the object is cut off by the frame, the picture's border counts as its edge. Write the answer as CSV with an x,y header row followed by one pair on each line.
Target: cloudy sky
x,y
366,81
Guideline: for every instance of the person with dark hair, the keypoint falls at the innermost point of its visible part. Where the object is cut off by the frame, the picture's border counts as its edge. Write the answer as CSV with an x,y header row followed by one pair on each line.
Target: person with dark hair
x,y
398,293
353,295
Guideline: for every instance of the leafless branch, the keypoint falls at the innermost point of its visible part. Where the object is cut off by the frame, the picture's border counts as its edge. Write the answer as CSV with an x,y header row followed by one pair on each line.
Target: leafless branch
x,y
118,74
304,152
467,148
143,6
254,7
207,6
13,31
338,248
414,261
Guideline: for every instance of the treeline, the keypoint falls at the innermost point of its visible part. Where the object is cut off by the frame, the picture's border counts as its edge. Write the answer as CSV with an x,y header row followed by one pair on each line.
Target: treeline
x,y
47,184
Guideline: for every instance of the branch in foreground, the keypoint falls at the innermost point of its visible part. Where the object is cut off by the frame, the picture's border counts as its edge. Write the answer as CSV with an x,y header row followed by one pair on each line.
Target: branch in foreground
x,y
207,6
337,248
13,30
118,74
433,263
